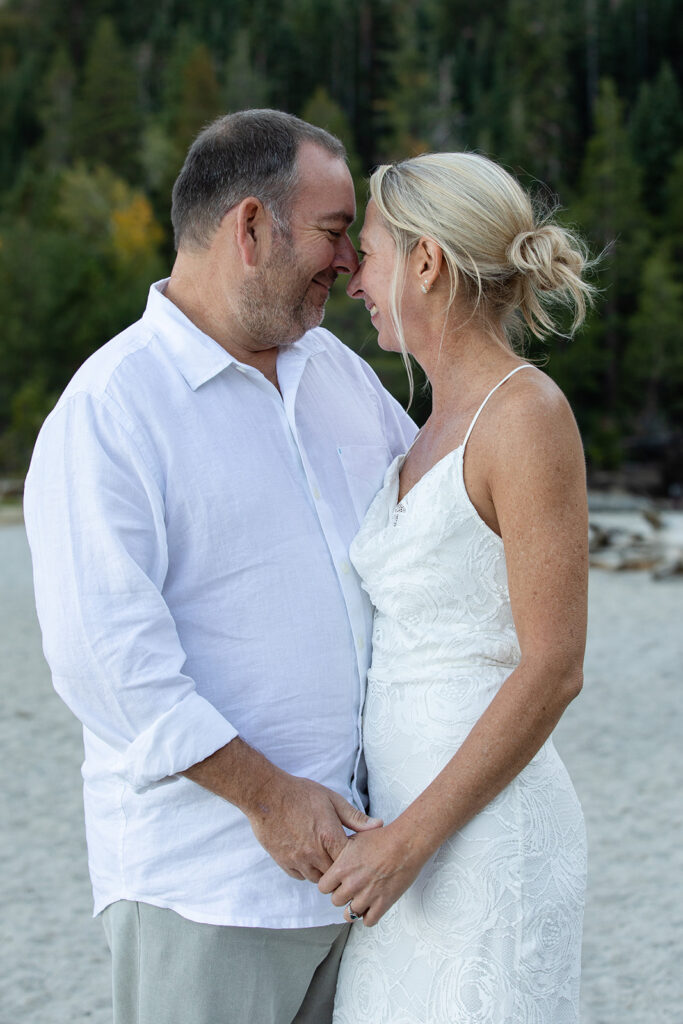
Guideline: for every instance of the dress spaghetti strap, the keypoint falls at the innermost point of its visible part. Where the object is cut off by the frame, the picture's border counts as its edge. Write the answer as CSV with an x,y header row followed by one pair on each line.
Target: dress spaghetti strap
x,y
524,366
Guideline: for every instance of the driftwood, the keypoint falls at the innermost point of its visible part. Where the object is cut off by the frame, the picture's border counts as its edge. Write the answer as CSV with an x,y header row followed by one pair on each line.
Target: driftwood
x,y
658,546
11,488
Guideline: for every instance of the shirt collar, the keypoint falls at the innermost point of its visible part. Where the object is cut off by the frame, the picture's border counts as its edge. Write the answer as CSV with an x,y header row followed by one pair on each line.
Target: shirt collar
x,y
198,357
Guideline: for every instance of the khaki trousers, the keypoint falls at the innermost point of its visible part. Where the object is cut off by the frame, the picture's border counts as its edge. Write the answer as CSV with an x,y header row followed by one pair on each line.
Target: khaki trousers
x,y
167,970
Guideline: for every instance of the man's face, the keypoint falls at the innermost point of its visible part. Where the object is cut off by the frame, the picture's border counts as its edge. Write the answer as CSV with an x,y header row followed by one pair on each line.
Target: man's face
x,y
287,297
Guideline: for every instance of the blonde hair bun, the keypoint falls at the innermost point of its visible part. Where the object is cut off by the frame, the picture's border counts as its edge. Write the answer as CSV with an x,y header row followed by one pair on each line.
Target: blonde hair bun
x,y
510,262
546,256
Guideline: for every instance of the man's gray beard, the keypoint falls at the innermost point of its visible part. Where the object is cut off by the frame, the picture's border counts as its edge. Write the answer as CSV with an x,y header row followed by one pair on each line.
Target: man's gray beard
x,y
270,315
269,319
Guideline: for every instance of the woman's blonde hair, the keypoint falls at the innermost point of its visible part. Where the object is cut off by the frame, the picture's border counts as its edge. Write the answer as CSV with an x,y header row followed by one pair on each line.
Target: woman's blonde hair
x,y
513,265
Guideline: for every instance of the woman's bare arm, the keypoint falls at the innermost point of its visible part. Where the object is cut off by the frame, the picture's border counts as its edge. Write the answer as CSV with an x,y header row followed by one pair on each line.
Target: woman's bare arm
x,y
536,478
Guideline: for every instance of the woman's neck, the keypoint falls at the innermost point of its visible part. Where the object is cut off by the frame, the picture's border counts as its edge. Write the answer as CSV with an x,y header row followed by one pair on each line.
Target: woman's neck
x,y
462,365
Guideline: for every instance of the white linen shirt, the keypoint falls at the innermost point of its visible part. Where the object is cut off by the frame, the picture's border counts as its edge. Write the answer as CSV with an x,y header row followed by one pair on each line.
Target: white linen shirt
x,y
189,528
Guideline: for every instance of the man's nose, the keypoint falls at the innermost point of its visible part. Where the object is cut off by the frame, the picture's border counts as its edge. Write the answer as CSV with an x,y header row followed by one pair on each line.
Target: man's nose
x,y
345,258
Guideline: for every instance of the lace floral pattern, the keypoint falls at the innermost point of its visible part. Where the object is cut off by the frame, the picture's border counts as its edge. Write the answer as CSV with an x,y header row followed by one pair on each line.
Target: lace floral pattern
x,y
490,932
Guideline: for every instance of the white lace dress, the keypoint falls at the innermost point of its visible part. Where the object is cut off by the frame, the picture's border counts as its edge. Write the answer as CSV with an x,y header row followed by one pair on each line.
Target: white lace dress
x,y
490,932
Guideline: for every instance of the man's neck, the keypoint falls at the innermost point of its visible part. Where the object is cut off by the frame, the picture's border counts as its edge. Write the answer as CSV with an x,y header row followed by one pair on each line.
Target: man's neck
x,y
190,289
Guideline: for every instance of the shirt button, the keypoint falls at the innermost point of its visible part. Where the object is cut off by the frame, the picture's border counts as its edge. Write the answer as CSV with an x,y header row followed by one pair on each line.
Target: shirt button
x,y
360,641
345,568
316,494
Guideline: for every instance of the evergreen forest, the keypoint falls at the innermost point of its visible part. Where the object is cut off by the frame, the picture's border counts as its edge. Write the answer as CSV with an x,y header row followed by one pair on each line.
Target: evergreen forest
x,y
581,99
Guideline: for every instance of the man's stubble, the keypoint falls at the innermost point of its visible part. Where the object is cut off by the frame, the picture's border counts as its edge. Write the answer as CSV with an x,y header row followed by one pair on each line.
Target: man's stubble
x,y
275,308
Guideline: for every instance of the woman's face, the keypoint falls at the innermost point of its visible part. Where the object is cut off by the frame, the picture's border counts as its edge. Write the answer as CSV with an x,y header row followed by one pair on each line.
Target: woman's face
x,y
372,281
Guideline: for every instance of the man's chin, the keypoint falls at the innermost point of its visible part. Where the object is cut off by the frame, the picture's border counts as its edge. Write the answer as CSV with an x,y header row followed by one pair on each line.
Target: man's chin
x,y
313,317
308,317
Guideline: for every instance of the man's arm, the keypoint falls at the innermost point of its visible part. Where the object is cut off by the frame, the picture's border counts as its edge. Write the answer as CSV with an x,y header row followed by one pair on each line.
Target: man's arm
x,y
299,822
95,519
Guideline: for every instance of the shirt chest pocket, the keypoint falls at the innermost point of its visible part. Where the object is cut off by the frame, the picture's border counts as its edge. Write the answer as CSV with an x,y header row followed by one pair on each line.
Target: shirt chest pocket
x,y
364,467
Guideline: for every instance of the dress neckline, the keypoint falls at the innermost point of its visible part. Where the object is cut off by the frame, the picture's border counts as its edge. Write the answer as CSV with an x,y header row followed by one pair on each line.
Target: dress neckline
x,y
399,466
460,448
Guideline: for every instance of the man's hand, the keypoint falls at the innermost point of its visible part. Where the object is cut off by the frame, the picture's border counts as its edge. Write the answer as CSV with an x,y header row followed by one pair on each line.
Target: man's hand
x,y
300,823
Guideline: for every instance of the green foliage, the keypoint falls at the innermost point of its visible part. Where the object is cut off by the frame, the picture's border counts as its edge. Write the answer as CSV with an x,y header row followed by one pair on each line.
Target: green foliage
x,y
67,284
107,121
245,88
654,352
673,204
609,210
28,408
199,100
657,133
411,109
533,86
56,109
99,102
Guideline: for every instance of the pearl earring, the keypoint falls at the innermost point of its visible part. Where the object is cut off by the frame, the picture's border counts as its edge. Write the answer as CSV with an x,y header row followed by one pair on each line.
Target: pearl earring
x,y
424,288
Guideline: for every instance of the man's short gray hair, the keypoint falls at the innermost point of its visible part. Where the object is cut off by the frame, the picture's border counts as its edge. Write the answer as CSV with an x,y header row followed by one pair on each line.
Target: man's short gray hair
x,y
248,153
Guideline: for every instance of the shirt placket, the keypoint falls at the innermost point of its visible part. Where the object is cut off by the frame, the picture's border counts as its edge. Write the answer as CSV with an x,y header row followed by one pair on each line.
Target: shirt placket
x,y
357,603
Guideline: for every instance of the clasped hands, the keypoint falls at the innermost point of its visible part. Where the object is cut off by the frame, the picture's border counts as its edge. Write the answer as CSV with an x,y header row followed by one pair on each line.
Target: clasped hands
x,y
301,825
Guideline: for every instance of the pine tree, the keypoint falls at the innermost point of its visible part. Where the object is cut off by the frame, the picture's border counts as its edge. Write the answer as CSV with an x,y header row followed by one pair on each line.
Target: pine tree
x,y
410,105
200,97
657,133
673,198
56,111
532,85
21,56
610,213
655,353
108,122
245,89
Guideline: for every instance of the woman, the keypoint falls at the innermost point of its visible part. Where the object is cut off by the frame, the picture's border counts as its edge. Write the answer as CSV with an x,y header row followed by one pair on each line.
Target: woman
x,y
475,555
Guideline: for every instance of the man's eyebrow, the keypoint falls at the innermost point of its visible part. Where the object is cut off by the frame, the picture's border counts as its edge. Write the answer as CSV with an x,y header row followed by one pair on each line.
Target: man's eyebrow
x,y
340,215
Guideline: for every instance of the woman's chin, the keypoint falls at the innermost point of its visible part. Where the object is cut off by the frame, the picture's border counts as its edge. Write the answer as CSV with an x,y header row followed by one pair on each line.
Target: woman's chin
x,y
388,344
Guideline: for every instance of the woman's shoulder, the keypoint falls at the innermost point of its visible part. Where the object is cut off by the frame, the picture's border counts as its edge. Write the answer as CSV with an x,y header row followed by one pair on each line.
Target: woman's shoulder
x,y
530,399
529,417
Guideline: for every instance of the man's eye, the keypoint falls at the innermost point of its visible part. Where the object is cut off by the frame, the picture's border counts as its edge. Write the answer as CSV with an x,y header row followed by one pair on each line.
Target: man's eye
x,y
360,254
334,234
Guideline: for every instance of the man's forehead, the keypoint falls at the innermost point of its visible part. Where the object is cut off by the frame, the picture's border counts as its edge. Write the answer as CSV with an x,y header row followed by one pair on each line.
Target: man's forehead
x,y
325,186
317,207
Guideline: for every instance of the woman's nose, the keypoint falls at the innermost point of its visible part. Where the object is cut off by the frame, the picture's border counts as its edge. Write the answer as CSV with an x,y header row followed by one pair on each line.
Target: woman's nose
x,y
354,288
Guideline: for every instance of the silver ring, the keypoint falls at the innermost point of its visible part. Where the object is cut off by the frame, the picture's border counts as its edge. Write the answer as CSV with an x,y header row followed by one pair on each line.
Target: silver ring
x,y
352,913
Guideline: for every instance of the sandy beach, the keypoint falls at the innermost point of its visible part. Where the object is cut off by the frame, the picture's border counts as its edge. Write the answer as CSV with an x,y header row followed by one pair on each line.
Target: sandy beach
x,y
621,740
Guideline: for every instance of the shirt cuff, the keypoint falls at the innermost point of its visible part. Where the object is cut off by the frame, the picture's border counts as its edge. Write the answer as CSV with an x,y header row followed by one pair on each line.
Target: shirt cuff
x,y
188,733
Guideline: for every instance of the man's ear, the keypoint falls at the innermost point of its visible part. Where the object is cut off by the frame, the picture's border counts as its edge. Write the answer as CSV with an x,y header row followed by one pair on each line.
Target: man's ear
x,y
252,230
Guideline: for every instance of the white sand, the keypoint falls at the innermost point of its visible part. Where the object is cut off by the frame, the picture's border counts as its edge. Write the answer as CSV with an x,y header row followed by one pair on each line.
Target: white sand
x,y
622,741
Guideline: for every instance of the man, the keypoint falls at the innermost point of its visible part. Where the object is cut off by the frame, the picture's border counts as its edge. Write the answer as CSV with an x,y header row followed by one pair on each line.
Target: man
x,y
189,507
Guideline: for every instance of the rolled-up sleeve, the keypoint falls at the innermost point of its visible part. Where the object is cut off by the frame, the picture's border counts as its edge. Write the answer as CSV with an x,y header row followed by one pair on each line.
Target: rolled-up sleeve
x,y
94,511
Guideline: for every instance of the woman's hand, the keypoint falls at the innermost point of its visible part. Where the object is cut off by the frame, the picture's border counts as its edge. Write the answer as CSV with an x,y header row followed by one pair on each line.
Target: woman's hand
x,y
373,870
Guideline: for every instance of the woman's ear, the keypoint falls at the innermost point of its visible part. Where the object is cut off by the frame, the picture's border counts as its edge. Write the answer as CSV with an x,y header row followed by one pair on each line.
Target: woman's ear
x,y
428,259
253,230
